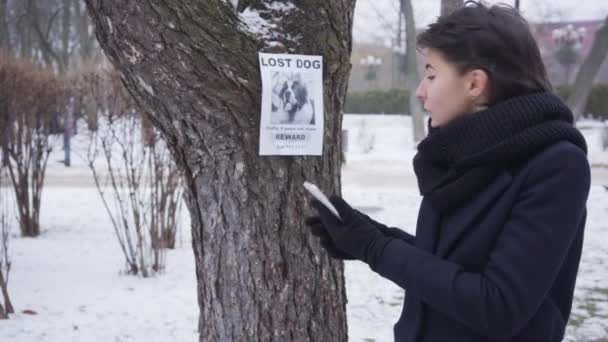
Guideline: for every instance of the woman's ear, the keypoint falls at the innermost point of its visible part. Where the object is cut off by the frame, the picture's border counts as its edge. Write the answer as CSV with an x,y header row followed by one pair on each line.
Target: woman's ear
x,y
478,85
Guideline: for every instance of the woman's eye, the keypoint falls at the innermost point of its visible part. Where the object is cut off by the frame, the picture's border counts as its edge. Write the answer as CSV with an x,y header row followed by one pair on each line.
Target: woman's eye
x,y
430,78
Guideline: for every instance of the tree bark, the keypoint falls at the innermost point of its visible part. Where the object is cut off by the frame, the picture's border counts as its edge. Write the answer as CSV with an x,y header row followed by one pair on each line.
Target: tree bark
x,y
449,6
6,128
66,24
8,309
583,83
5,47
413,77
44,44
23,31
5,38
193,66
85,39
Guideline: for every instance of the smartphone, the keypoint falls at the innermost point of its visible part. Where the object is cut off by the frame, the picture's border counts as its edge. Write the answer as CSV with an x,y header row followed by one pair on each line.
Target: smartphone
x,y
320,196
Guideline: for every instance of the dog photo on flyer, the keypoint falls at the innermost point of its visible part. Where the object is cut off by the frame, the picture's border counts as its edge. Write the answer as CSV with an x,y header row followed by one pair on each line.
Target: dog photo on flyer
x,y
292,104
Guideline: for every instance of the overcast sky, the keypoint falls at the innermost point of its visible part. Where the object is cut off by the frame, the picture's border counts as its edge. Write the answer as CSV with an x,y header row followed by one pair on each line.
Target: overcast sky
x,y
373,16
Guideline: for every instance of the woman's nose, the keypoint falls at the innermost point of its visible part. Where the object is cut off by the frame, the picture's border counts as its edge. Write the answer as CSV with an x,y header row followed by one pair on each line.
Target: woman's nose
x,y
421,91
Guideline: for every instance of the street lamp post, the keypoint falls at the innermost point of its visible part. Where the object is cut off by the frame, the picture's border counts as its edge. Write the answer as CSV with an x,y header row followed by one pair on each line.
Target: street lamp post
x,y
371,64
569,43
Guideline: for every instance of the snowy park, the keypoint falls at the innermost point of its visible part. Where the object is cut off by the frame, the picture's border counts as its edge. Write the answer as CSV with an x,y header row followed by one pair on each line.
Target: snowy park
x,y
164,167
70,278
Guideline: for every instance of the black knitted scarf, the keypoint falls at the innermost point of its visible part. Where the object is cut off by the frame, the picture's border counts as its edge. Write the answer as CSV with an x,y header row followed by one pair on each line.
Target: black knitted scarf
x,y
457,160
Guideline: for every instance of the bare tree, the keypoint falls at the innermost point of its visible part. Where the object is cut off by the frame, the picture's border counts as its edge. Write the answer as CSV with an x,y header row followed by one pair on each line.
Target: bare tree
x,y
5,118
586,75
86,39
395,32
23,30
84,80
139,184
4,52
413,77
66,25
49,32
5,37
31,94
6,306
54,32
193,66
409,60
42,23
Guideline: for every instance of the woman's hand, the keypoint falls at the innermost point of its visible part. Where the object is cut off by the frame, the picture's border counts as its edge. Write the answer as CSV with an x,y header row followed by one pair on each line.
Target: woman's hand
x,y
317,229
350,236
388,231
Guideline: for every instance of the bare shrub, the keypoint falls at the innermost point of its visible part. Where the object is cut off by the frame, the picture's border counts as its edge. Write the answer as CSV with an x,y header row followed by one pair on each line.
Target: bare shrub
x,y
135,175
30,95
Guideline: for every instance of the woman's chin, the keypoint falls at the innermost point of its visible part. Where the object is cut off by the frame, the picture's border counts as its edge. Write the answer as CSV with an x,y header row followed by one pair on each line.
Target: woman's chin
x,y
434,123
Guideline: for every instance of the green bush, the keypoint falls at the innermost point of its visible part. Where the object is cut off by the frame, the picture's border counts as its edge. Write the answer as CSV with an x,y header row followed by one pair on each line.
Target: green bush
x,y
597,104
395,101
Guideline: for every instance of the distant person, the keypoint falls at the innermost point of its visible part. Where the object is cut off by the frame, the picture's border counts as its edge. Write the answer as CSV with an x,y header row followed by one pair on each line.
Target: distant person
x,y
504,177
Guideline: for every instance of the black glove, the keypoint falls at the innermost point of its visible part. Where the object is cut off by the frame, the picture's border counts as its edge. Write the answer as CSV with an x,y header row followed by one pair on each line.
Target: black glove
x,y
388,231
317,229
352,234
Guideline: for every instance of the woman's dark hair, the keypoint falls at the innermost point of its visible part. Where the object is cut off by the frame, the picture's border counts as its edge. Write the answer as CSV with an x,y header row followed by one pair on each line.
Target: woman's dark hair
x,y
495,39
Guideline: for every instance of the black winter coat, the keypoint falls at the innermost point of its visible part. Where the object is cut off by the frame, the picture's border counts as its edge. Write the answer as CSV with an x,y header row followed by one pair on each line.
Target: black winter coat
x,y
503,266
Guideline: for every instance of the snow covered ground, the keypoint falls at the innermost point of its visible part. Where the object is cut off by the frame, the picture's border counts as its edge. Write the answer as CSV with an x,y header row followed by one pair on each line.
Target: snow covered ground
x,y
70,274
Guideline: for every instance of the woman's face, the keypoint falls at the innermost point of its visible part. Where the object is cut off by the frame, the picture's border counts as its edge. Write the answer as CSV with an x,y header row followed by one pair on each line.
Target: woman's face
x,y
447,94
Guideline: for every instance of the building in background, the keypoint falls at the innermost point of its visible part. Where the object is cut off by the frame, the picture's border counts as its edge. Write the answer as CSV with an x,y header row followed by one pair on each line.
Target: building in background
x,y
546,34
390,73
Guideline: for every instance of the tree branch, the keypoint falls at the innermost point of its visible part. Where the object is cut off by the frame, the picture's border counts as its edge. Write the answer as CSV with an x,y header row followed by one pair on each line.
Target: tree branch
x,y
586,75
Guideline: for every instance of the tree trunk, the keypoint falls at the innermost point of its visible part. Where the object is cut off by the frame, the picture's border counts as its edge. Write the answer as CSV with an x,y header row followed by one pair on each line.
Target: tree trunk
x,y
8,309
583,83
413,77
193,65
44,40
5,132
5,44
5,41
449,6
85,39
68,124
24,31
66,23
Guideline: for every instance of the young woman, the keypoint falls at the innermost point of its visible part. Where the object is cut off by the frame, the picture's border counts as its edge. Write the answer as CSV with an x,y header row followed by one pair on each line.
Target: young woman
x,y
504,178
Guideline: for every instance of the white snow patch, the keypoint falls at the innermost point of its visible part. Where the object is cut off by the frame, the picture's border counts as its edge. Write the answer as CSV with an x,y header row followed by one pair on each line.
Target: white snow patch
x,y
240,168
265,28
276,44
132,54
146,86
255,24
110,26
234,3
282,6
69,275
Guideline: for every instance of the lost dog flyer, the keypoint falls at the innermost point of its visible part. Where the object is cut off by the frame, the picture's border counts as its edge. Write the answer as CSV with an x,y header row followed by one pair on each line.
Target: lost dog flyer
x,y
292,104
